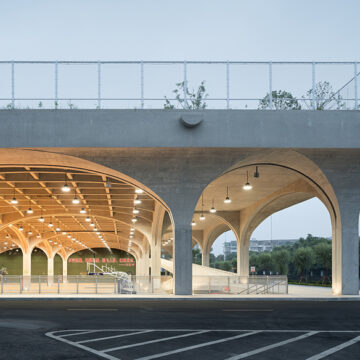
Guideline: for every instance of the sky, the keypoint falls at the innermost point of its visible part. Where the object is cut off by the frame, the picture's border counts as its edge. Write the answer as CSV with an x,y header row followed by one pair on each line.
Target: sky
x,y
248,30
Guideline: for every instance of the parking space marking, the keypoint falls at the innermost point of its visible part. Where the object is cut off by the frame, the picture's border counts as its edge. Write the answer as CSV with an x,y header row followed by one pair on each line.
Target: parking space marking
x,y
113,337
155,356
78,333
248,310
154,341
335,349
272,346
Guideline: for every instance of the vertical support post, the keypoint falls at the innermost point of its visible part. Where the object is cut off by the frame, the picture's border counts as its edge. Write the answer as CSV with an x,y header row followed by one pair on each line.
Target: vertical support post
x,y
96,284
77,284
270,86
227,86
2,284
185,86
313,87
209,284
13,85
152,284
56,84
115,285
99,84
58,284
228,284
21,284
142,83
356,103
39,285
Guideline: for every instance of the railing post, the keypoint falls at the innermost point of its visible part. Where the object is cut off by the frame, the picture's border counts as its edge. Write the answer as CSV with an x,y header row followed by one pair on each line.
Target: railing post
x,y
227,86
355,86
13,85
313,87
270,86
185,86
99,84
56,84
142,83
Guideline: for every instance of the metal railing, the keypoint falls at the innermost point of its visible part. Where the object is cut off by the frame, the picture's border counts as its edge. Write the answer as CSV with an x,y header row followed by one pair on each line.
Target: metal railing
x,y
140,285
230,84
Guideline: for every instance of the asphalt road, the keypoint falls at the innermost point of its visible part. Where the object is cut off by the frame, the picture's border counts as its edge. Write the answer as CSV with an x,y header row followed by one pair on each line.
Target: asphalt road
x,y
193,329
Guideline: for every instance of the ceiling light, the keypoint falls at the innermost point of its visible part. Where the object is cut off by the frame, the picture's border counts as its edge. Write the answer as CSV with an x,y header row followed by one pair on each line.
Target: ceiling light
x,y
202,217
66,187
7,236
227,199
82,211
41,219
38,236
69,236
134,219
21,228
95,229
58,229
247,185
193,223
50,241
137,201
256,173
50,224
76,201
213,210
88,219
139,191
136,211
14,201
98,233
29,211
64,232
132,229
5,242
30,232
92,224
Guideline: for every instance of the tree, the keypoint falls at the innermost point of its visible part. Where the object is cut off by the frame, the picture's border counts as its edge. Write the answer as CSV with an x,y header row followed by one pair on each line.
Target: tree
x,y
323,256
304,259
281,260
265,262
281,100
196,256
324,97
194,100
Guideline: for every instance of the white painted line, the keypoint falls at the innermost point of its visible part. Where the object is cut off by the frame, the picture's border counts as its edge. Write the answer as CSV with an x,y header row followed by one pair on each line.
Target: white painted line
x,y
334,349
92,309
83,347
113,337
78,333
272,346
154,341
198,346
249,310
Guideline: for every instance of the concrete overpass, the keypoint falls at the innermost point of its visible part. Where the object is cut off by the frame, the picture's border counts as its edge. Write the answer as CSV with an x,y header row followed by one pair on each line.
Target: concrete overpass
x,y
183,161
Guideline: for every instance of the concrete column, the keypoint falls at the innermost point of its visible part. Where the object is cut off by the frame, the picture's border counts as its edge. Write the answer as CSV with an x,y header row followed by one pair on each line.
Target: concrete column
x,y
205,258
50,273
26,269
243,258
183,255
345,250
155,257
64,269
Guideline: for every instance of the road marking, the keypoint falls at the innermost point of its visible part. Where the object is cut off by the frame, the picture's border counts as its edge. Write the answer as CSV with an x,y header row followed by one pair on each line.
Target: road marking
x,y
113,337
92,309
83,347
334,349
153,341
272,346
78,333
198,346
249,310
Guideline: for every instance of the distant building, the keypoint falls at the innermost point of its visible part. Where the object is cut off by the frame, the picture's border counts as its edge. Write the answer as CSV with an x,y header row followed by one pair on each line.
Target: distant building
x,y
229,247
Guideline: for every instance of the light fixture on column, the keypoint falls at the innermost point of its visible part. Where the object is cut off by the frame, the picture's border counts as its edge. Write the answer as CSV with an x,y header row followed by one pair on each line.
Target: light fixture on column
x,y
227,199
256,173
82,211
136,211
139,191
75,201
202,216
14,200
66,187
247,185
213,210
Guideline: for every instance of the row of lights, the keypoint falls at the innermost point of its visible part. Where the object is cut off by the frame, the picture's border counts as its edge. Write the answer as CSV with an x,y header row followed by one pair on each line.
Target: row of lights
x,y
247,186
